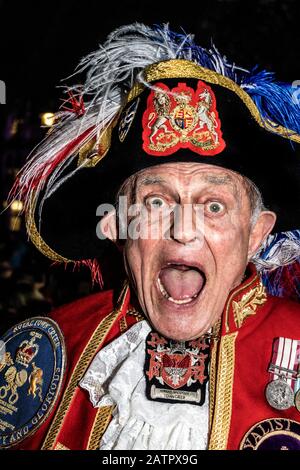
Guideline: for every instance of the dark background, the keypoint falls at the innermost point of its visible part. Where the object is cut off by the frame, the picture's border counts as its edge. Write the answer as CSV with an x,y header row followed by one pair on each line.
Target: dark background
x,y
42,42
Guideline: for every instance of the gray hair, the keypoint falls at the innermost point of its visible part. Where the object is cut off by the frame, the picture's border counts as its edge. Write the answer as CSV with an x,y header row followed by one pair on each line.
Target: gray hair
x,y
255,199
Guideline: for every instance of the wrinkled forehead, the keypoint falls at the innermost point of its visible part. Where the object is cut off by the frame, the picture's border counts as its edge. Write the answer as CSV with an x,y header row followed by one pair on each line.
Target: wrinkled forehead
x,y
187,176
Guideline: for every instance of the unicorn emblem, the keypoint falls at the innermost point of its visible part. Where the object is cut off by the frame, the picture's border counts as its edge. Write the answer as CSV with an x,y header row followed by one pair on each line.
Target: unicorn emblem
x,y
205,117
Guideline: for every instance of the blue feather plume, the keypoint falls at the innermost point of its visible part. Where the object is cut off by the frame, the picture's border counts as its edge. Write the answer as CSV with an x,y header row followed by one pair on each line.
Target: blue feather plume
x,y
275,100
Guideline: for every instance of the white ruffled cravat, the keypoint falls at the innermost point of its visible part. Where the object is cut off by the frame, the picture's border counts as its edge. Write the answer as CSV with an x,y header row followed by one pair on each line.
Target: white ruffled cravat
x,y
116,377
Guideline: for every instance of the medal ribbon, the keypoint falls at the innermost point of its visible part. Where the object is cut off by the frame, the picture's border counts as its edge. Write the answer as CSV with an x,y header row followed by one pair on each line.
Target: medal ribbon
x,y
285,361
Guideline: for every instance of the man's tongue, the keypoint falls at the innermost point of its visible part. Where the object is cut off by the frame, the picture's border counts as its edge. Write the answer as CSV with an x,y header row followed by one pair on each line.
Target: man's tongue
x,y
181,282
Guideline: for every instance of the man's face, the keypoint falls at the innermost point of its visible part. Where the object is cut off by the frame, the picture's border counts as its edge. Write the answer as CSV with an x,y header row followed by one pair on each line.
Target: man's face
x,y
183,280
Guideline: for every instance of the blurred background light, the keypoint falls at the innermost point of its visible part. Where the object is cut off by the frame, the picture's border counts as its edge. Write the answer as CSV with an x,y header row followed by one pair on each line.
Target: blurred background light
x,y
48,119
16,206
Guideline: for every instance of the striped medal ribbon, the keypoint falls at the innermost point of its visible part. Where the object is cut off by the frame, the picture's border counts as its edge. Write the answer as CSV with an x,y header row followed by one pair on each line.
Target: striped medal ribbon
x,y
283,391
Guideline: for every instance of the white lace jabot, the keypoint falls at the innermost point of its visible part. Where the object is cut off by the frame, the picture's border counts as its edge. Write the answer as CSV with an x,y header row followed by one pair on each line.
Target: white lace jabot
x,y
116,377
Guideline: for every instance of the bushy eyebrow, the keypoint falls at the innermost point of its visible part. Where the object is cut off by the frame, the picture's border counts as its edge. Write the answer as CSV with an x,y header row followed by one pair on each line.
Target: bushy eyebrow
x,y
150,179
223,180
213,179
219,179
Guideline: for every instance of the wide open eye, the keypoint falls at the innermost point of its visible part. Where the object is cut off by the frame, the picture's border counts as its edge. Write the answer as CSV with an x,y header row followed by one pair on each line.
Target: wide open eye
x,y
214,207
155,202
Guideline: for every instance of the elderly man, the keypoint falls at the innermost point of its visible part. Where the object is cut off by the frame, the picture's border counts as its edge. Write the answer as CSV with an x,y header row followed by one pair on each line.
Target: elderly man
x,y
167,160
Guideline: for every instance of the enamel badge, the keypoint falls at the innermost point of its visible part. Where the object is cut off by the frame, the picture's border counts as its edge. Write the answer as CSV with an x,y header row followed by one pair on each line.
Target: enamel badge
x,y
32,364
176,371
273,434
182,118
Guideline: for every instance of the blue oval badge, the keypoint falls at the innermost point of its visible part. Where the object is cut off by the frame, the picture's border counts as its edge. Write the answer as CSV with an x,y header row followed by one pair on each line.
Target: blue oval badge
x,y
273,434
32,364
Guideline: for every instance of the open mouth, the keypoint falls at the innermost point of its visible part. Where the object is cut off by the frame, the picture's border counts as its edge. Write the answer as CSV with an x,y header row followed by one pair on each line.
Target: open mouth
x,y
181,283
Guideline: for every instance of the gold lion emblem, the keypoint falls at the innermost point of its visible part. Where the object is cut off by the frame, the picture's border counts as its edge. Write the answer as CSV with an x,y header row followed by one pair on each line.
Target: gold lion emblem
x,y
36,382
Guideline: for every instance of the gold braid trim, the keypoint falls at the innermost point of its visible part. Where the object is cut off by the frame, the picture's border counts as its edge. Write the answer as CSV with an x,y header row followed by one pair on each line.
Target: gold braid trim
x,y
248,304
36,238
123,324
100,424
234,293
180,68
223,394
212,382
87,355
60,446
138,316
213,371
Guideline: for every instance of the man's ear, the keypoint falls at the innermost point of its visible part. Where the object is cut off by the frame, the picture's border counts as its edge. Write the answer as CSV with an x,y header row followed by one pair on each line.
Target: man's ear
x,y
108,226
263,226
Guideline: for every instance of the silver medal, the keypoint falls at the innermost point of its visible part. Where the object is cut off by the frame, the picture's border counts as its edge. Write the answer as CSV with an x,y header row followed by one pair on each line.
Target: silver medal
x,y
279,394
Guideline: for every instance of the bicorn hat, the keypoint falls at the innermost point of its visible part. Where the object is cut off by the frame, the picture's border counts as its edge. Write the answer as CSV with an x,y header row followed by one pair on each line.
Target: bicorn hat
x,y
152,96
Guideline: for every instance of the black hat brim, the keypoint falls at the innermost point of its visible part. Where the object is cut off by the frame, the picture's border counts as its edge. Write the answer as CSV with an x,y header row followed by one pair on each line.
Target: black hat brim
x,y
68,222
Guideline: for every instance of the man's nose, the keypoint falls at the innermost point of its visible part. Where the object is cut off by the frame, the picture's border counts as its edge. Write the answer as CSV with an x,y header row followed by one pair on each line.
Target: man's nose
x,y
187,223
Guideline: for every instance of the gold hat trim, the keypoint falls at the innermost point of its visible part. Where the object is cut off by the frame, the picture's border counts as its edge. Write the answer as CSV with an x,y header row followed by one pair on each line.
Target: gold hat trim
x,y
180,68
174,68
36,238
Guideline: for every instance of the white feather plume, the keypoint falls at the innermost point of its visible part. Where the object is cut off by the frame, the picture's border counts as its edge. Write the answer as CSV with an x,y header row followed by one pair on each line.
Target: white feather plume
x,y
278,250
110,71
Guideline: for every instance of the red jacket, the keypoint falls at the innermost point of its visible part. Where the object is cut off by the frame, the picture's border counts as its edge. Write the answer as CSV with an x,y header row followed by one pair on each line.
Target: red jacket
x,y
238,370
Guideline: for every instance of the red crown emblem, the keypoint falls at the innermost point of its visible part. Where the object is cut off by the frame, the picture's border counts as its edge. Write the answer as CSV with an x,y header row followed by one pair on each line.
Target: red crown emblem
x,y
27,351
